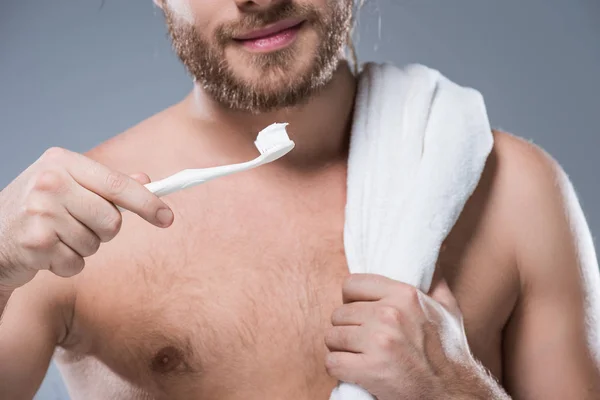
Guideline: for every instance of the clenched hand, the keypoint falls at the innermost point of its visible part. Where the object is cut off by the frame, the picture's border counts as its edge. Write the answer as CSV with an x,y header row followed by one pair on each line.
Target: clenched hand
x,y
398,343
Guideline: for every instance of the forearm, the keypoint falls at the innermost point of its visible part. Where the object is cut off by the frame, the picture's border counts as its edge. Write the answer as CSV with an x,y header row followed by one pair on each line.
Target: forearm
x,y
486,389
477,384
5,291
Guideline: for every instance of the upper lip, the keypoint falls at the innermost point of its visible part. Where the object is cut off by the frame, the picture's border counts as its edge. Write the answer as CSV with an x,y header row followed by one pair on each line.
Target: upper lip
x,y
270,29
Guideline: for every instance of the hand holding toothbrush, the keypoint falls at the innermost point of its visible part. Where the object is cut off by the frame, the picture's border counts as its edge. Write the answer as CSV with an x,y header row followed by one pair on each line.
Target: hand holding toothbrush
x,y
59,211
61,208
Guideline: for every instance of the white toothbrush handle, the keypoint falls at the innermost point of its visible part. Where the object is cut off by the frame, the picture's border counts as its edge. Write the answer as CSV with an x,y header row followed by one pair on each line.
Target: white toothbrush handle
x,y
171,184
192,177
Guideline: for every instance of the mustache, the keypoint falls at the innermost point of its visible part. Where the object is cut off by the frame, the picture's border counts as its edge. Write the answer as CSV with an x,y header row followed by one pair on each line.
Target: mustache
x,y
259,19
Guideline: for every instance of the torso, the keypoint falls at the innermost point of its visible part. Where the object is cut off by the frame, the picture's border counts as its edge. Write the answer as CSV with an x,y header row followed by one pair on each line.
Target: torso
x,y
232,301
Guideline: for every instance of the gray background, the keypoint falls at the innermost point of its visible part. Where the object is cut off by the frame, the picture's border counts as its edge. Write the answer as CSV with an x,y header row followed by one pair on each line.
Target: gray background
x,y
73,74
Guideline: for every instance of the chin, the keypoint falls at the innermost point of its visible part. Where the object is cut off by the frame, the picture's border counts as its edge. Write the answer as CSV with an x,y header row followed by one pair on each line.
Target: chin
x,y
287,64
266,81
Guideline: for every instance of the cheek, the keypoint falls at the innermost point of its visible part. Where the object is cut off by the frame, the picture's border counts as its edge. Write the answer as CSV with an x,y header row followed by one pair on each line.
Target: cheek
x,y
320,4
332,4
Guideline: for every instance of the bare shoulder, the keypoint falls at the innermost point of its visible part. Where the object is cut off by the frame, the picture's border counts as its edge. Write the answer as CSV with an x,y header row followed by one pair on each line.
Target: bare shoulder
x,y
145,137
537,211
559,283
521,186
524,169
516,176
540,205
522,265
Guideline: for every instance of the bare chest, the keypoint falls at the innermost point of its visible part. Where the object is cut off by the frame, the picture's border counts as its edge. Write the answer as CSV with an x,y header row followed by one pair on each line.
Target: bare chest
x,y
233,301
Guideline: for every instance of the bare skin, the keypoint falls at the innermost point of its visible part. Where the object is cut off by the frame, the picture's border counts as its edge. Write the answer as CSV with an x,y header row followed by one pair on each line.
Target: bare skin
x,y
232,301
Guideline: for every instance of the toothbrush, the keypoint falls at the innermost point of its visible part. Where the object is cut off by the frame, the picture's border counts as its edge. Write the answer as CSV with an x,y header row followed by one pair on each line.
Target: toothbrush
x,y
272,142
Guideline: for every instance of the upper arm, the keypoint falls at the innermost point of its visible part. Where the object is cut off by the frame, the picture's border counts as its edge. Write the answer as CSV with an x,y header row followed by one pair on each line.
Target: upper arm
x,y
551,343
33,323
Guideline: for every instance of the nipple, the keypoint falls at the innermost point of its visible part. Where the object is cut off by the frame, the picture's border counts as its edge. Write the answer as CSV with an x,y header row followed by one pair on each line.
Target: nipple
x,y
167,360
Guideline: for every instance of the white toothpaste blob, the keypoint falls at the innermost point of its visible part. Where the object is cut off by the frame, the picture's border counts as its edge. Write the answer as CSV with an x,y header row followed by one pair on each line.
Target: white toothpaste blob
x,y
182,9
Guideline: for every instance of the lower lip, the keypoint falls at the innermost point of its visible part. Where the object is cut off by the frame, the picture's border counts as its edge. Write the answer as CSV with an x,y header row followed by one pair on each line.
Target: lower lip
x,y
276,41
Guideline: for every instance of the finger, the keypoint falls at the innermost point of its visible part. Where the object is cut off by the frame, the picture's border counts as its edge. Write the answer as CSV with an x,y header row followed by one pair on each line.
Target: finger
x,y
114,186
346,367
141,178
96,213
356,313
76,235
353,339
65,261
369,287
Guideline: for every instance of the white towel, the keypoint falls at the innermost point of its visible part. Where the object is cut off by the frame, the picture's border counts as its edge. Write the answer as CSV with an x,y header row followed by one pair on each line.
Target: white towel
x,y
418,147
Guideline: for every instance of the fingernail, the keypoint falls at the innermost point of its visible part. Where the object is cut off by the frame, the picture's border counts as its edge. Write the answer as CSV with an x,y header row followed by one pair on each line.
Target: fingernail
x,y
164,216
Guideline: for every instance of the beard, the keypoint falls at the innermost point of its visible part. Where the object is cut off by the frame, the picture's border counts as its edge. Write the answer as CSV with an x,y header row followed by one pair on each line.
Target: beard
x,y
282,78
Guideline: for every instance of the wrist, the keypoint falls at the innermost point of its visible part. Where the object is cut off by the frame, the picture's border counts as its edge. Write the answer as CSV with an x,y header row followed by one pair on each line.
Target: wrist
x,y
4,275
9,281
476,383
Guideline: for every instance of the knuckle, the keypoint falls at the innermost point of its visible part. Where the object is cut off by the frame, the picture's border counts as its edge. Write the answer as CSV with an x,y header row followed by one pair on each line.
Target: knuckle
x,y
92,245
413,302
332,337
413,299
39,238
384,340
95,245
352,313
73,264
68,266
48,180
112,225
329,337
34,207
116,182
332,363
150,206
389,315
76,265
348,282
337,315
54,153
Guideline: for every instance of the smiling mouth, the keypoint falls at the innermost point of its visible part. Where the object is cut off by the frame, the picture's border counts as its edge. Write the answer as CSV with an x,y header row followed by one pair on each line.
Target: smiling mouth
x,y
275,37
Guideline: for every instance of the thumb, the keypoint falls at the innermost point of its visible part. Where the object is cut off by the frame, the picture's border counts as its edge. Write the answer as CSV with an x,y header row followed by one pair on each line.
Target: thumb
x,y
443,295
141,178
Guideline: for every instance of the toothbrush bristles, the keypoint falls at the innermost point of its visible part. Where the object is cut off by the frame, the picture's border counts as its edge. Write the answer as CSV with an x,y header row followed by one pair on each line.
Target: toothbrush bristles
x,y
272,136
